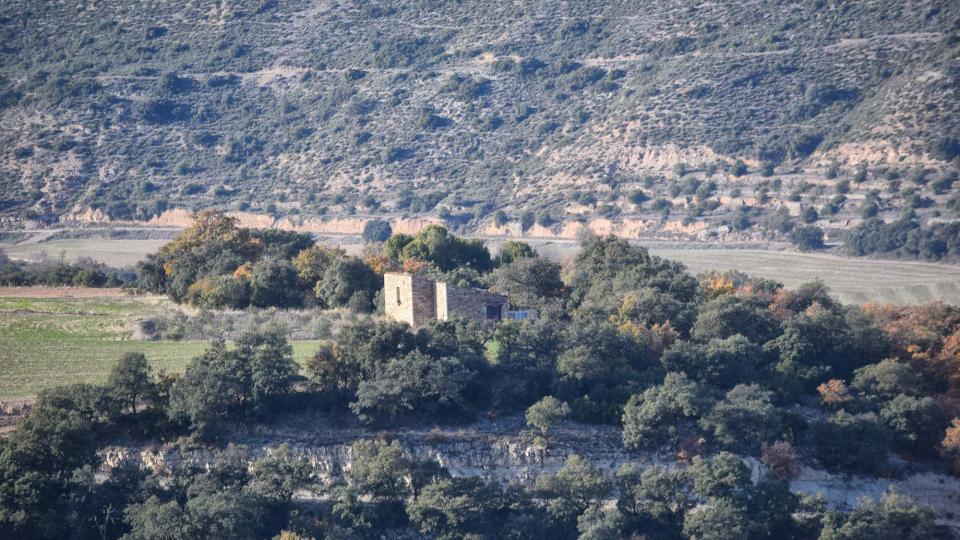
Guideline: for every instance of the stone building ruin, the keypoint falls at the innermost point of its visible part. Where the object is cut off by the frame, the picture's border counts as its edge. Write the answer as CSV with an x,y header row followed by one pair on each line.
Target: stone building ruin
x,y
416,299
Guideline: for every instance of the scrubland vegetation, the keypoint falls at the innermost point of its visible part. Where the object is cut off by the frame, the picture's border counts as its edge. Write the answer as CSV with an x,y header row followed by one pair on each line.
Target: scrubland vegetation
x,y
750,119
905,238
710,370
82,273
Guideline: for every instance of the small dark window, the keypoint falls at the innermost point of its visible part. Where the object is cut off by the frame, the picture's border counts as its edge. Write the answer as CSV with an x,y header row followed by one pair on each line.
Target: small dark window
x,y
493,313
398,296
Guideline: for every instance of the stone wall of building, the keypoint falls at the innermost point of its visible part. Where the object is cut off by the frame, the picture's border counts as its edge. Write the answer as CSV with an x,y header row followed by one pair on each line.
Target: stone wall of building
x,y
416,300
424,303
458,302
408,298
440,292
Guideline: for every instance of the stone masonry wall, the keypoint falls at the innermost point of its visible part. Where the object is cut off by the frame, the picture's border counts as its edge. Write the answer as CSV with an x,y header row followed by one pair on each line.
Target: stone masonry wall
x,y
398,297
408,298
416,300
424,304
441,295
458,302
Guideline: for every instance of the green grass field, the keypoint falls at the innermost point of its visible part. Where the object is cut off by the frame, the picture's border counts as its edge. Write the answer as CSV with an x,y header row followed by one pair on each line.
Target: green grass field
x,y
45,342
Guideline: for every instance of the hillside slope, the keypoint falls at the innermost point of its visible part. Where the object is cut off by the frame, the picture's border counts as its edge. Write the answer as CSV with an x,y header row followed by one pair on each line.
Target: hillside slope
x,y
633,111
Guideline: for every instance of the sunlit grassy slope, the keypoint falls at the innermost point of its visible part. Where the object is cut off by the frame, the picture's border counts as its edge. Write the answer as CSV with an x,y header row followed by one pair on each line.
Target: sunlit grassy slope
x,y
50,341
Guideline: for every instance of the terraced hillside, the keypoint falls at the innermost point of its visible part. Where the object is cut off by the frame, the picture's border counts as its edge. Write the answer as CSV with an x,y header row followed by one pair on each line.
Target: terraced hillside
x,y
641,117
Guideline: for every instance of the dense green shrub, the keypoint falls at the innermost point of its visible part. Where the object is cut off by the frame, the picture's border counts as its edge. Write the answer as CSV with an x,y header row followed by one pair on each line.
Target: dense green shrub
x,y
222,382
419,385
344,278
435,245
650,419
904,238
894,516
274,282
745,419
807,238
376,230
851,443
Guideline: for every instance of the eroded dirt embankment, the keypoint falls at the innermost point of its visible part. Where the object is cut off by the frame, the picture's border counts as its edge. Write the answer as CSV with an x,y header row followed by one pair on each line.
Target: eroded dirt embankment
x,y
565,230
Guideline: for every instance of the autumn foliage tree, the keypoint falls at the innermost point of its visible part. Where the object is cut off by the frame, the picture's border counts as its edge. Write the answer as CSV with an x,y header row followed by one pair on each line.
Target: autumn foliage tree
x,y
781,457
834,394
215,263
200,263
928,336
950,447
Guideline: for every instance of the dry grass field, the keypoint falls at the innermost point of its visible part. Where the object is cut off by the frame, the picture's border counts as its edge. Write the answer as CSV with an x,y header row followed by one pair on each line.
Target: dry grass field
x,y
852,280
71,292
115,252
46,341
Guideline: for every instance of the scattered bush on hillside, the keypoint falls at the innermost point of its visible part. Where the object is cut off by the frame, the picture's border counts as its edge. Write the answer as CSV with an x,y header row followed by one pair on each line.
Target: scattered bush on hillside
x,y
807,238
427,103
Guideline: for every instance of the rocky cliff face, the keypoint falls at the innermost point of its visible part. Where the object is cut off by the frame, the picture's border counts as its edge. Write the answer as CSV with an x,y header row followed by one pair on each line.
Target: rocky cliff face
x,y
500,450
503,451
